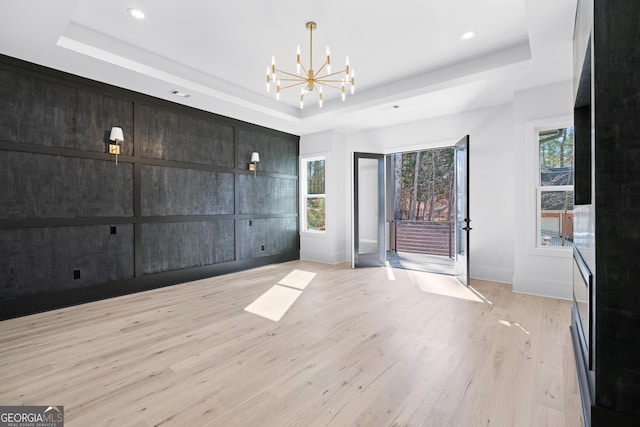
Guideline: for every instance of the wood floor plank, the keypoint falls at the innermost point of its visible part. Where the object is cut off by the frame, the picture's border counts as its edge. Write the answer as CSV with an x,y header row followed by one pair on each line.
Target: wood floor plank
x,y
357,348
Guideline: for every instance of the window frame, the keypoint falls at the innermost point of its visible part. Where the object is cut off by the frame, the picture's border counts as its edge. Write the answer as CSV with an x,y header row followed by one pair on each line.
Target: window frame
x,y
304,196
533,208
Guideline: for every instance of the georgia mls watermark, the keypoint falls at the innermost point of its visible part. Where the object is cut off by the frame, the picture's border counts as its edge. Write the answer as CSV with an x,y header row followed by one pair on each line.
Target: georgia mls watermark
x,y
31,416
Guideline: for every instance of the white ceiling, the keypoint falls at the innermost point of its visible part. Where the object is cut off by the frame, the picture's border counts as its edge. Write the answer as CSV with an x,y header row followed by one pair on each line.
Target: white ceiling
x,y
406,53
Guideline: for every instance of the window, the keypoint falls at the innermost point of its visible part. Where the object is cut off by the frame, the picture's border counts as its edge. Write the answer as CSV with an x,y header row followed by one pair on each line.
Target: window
x,y
313,200
555,188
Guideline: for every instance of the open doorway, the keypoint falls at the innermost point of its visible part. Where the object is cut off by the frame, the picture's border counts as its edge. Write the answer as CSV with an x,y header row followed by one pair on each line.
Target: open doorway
x,y
421,188
426,226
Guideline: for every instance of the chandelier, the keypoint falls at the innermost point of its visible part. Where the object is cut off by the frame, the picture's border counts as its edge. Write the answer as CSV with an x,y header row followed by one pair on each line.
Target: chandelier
x,y
310,80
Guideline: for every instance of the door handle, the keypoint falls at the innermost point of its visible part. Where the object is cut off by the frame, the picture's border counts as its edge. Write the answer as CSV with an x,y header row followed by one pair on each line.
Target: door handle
x,y
467,228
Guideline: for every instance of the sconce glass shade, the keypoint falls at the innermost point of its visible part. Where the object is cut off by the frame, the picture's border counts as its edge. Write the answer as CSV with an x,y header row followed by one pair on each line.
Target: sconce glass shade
x,y
116,134
255,157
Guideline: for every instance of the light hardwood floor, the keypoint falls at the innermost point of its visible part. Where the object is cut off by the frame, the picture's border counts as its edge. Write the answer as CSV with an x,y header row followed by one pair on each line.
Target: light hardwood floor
x,y
367,347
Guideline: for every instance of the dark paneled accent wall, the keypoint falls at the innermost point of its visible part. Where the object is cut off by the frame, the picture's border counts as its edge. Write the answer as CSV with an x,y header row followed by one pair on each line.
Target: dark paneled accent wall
x,y
178,191
269,236
265,194
180,245
169,135
59,114
51,186
48,259
181,204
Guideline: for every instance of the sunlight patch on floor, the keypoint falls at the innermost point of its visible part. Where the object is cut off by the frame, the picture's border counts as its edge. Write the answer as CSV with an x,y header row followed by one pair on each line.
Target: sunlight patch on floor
x,y
507,323
298,279
475,291
440,284
274,303
390,274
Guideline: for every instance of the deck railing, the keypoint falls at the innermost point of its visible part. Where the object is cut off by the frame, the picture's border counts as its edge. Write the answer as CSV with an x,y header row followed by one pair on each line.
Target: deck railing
x,y
426,237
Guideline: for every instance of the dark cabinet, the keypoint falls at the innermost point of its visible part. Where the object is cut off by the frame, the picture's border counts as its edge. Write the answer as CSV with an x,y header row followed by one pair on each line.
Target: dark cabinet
x,y
606,313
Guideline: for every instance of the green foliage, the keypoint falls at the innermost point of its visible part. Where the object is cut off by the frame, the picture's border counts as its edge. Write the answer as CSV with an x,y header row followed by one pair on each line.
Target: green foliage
x,y
315,177
316,213
316,187
556,156
424,192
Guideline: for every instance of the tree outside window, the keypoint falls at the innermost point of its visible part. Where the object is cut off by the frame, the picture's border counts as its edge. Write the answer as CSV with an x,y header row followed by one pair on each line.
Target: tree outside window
x,y
314,195
424,185
555,187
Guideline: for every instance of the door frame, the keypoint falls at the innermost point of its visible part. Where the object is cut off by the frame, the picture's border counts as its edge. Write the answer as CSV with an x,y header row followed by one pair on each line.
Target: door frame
x,y
463,221
379,257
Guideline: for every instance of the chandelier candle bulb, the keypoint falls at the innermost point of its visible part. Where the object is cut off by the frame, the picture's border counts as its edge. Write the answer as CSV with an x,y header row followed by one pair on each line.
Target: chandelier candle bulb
x,y
353,82
278,91
328,60
298,59
301,98
320,97
268,80
346,71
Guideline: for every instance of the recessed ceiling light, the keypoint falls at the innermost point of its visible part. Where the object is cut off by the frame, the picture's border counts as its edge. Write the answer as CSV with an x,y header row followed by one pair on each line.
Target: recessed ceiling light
x,y
136,13
468,35
396,107
180,94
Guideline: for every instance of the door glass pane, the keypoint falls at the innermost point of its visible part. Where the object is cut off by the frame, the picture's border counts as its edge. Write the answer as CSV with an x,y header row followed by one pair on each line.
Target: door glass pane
x,y
368,206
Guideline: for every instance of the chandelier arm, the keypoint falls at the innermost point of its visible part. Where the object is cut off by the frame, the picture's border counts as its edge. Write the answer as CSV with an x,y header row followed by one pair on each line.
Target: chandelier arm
x,y
329,85
288,74
293,85
321,68
334,74
323,80
304,70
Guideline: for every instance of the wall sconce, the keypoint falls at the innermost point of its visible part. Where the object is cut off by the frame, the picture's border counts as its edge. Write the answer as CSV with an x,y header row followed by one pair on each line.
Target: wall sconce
x,y
255,158
117,136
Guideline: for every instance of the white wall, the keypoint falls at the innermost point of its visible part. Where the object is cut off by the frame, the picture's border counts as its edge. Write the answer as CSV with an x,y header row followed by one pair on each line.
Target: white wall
x,y
538,271
491,174
502,198
333,246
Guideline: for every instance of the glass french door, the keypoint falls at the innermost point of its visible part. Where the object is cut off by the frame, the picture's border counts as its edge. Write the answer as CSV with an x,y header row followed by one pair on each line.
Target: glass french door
x,y
368,210
462,210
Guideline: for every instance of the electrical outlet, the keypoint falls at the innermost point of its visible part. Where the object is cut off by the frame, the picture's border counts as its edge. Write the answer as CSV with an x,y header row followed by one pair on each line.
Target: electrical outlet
x,y
262,248
114,229
76,274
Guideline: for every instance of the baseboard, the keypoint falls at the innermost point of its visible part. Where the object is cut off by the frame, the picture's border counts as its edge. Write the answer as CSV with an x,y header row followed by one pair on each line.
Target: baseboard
x,y
323,257
542,288
491,274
